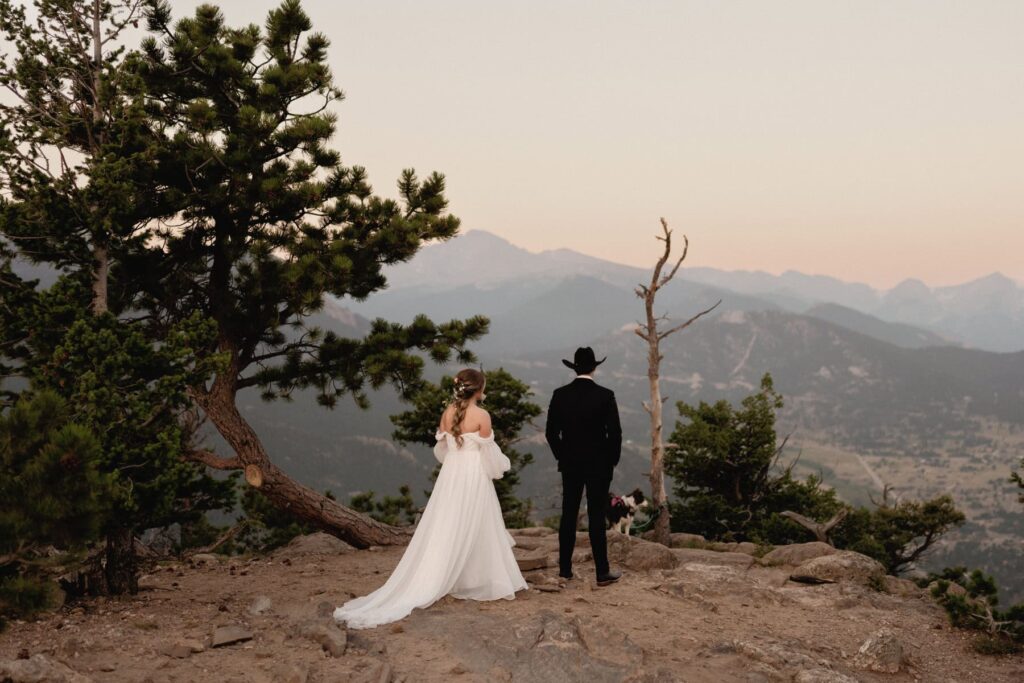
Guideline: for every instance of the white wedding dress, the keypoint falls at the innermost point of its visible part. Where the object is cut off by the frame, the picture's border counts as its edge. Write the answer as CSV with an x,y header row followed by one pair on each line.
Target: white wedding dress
x,y
460,546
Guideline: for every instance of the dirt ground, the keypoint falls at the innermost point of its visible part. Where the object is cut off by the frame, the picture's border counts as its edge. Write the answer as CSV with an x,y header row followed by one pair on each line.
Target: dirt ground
x,y
697,622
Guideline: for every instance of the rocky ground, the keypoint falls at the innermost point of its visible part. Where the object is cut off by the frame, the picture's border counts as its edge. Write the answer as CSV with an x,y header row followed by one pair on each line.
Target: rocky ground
x,y
681,614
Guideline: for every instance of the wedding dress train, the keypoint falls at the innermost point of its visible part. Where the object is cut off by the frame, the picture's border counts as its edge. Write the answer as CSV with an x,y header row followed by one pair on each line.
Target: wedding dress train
x,y
460,546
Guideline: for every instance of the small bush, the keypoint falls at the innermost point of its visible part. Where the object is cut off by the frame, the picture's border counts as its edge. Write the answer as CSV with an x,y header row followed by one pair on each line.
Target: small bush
x,y
976,608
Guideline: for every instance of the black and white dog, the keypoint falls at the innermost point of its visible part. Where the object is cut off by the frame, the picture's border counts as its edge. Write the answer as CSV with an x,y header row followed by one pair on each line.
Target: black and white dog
x,y
622,509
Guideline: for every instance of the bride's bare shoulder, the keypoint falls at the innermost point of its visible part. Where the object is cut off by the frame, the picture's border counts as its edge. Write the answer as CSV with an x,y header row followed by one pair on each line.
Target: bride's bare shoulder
x,y
482,419
446,419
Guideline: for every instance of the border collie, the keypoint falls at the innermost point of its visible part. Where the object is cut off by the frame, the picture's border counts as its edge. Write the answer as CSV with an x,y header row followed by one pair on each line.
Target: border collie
x,y
622,509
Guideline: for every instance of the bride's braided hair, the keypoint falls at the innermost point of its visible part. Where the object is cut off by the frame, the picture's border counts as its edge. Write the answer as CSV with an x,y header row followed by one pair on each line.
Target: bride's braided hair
x,y
467,383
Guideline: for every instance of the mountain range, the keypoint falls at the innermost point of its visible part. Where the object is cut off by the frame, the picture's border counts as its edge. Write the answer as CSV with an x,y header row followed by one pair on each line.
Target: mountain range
x,y
482,270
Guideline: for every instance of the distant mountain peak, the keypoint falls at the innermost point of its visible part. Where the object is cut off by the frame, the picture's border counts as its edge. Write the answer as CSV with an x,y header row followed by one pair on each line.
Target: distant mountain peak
x,y
478,236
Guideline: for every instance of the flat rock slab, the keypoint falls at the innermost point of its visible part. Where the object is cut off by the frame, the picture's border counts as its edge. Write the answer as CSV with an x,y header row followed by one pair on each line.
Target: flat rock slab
x,y
698,556
532,562
229,635
542,647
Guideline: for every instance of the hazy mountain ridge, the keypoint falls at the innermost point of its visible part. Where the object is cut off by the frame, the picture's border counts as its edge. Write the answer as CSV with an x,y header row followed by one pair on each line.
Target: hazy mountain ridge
x,y
986,313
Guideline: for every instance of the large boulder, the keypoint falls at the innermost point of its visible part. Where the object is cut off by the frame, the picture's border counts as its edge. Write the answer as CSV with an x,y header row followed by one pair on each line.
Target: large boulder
x,y
684,540
841,566
638,554
882,651
894,585
797,553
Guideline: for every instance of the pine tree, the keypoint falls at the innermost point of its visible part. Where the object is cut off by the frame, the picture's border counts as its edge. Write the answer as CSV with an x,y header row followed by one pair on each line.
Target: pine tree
x,y
267,223
131,393
508,402
728,485
52,495
72,152
400,509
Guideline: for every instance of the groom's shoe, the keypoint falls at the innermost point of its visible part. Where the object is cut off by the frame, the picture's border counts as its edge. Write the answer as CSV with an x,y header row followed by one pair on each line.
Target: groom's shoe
x,y
608,578
565,575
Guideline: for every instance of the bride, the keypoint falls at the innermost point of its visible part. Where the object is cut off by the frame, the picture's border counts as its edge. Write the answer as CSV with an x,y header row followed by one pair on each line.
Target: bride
x,y
460,546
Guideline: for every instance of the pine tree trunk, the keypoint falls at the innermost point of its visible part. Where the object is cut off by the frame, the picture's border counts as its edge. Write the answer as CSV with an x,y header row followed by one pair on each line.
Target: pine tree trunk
x,y
100,254
121,569
101,273
302,502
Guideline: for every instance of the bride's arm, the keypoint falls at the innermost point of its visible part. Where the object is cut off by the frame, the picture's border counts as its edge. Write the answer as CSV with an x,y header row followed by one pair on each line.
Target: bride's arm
x,y
485,424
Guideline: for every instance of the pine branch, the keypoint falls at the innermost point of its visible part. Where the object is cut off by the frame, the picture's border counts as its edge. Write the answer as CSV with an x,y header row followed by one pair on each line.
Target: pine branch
x,y
211,459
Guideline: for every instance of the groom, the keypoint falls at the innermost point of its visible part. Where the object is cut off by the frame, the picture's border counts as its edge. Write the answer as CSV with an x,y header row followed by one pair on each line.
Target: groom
x,y
584,434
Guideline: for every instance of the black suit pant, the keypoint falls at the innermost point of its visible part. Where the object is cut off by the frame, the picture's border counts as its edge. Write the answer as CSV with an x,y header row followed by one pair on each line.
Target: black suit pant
x,y
573,485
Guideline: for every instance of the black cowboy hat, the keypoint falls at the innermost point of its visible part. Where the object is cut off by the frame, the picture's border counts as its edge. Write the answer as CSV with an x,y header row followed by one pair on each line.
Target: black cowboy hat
x,y
584,361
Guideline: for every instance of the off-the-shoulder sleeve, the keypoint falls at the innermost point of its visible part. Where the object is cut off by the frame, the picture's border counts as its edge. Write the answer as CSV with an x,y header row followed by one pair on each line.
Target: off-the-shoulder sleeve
x,y
496,463
441,447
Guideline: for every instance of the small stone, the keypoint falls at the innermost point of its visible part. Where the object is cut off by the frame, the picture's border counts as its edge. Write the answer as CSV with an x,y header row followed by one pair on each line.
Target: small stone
x,y
882,651
260,605
175,650
332,638
324,609
193,645
228,635
398,628
318,543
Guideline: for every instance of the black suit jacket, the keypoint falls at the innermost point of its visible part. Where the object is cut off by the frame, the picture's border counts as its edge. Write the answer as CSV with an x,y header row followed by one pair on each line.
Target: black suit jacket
x,y
583,428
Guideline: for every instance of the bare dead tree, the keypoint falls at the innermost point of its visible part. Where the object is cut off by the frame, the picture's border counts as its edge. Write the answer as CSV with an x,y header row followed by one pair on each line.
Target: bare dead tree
x,y
650,333
819,529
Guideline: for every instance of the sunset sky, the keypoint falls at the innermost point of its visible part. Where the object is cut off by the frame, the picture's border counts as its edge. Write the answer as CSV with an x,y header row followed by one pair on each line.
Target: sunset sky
x,y
872,141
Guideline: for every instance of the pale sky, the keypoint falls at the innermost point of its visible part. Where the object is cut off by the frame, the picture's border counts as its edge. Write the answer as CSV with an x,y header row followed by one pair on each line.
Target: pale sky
x,y
869,140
